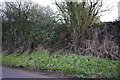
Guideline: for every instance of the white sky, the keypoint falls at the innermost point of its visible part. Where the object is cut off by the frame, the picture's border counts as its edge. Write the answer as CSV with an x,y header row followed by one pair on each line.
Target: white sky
x,y
107,16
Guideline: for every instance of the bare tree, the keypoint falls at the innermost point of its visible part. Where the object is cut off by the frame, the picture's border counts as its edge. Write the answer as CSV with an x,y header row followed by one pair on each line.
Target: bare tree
x,y
79,15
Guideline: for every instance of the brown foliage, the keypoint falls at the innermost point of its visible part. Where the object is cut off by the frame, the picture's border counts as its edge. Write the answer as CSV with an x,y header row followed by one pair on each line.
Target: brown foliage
x,y
105,45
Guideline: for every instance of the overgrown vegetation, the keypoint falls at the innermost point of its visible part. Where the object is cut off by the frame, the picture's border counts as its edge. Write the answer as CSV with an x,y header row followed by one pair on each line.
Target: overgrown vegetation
x,y
26,25
31,27
81,66
75,29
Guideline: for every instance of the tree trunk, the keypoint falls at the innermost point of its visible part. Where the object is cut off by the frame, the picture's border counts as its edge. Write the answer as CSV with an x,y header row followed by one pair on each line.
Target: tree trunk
x,y
75,40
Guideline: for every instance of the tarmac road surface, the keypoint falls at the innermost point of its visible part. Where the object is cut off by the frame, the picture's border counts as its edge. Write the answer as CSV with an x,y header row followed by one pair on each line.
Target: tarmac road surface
x,y
18,73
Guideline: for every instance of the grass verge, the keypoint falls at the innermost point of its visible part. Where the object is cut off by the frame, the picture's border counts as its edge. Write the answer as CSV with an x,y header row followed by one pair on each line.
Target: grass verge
x,y
81,66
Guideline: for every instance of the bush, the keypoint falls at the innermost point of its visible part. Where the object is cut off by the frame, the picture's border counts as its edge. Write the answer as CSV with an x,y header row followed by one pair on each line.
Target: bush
x,y
25,26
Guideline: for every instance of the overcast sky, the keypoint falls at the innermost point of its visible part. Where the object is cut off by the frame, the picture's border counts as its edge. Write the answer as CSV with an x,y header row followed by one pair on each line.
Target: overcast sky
x,y
108,16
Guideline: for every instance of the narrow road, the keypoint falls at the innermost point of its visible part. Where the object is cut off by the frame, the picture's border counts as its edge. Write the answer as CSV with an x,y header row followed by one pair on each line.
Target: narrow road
x,y
18,73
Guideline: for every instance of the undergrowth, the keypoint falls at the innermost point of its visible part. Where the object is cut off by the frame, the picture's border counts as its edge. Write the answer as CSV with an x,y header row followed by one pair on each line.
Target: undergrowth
x,y
82,66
